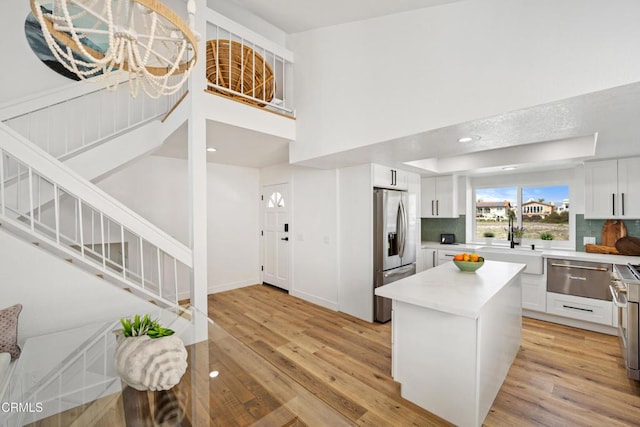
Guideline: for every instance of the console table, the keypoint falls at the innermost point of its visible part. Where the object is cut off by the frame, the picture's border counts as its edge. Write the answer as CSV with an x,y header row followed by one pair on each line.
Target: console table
x,y
226,383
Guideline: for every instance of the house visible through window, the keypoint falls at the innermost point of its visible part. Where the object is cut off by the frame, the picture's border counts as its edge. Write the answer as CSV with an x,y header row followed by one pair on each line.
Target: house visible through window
x,y
542,211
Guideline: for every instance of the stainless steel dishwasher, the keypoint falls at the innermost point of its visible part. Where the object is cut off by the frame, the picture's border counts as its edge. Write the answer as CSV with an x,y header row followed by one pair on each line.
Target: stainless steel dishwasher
x,y
581,278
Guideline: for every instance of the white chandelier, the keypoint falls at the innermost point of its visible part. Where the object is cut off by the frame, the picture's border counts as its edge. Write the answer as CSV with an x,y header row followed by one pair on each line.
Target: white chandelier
x,y
107,39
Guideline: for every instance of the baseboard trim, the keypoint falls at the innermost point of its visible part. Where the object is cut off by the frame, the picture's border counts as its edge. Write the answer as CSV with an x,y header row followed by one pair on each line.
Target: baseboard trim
x,y
186,295
314,299
232,285
581,324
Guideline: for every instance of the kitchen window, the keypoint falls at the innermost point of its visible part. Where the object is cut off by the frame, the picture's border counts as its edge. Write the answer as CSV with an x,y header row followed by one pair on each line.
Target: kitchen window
x,y
543,212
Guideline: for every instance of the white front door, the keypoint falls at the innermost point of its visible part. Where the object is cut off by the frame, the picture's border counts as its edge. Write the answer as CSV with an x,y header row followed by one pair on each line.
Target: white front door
x,y
275,199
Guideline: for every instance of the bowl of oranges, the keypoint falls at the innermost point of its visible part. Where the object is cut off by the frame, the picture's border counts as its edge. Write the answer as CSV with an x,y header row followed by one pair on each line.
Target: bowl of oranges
x,y
468,262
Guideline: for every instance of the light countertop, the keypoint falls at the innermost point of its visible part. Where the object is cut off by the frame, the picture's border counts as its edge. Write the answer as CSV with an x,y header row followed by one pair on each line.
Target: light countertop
x,y
446,288
546,253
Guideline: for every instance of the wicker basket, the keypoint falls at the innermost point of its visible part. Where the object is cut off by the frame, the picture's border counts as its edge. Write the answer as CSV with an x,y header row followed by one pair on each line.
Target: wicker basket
x,y
235,70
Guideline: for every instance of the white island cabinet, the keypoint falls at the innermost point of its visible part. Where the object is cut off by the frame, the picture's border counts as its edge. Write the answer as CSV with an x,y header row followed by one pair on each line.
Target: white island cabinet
x,y
455,336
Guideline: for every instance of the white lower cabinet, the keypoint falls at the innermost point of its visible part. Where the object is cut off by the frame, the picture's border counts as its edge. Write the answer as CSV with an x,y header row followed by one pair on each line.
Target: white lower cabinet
x,y
446,255
534,292
588,309
428,259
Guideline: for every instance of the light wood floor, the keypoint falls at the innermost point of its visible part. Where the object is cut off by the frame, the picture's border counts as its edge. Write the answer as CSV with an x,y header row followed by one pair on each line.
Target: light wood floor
x,y
562,376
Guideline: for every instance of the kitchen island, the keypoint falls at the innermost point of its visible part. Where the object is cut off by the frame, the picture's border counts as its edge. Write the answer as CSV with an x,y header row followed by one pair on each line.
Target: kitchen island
x,y
455,336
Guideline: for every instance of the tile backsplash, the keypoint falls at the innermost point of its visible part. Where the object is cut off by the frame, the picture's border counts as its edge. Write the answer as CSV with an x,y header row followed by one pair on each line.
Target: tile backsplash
x,y
593,228
432,227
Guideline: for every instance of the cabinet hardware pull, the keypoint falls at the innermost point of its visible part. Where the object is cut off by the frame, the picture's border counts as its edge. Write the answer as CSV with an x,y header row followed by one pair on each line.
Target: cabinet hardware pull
x,y
581,267
577,278
432,210
622,195
578,308
437,207
613,203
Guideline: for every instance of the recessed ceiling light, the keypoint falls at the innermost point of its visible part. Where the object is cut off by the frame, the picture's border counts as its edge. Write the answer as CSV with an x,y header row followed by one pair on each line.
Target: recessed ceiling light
x,y
213,374
509,168
211,149
469,138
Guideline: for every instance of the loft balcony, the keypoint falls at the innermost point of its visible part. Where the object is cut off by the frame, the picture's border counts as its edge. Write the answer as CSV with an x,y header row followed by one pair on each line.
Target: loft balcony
x,y
248,68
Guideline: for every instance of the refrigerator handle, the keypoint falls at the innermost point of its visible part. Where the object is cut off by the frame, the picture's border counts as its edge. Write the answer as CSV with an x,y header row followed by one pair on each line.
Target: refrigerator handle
x,y
402,228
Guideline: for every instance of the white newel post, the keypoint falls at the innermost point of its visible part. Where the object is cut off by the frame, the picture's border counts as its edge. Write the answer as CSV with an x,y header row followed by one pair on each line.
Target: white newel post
x,y
197,144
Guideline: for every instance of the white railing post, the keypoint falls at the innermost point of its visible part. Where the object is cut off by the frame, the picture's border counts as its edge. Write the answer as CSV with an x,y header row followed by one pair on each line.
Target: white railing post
x,y
31,209
175,276
81,226
159,271
2,194
56,212
104,253
141,262
122,251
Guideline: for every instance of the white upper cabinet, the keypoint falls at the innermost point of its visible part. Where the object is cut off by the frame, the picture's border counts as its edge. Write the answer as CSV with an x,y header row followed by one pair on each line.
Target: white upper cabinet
x,y
628,180
439,197
608,186
386,177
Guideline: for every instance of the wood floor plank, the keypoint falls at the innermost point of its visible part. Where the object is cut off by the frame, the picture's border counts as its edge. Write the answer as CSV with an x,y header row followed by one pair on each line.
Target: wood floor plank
x,y
388,409
322,389
562,376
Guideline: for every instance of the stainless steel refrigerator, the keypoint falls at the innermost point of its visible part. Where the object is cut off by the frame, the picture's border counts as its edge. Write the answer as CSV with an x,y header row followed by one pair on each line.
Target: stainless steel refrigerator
x,y
394,242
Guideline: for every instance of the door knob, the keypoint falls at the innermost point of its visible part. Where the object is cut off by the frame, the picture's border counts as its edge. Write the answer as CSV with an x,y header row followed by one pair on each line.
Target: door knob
x,y
286,239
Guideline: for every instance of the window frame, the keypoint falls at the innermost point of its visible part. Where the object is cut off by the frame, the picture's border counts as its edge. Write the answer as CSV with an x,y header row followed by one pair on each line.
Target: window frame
x,y
471,227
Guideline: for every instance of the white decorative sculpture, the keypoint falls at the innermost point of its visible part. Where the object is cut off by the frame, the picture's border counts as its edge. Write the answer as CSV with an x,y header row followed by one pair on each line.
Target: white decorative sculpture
x,y
151,364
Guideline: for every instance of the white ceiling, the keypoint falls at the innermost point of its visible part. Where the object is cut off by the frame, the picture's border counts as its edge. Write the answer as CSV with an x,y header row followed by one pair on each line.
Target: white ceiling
x,y
234,146
603,123
293,16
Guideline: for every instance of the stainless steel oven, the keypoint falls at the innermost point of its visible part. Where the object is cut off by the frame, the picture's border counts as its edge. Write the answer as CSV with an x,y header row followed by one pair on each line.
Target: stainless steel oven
x,y
625,290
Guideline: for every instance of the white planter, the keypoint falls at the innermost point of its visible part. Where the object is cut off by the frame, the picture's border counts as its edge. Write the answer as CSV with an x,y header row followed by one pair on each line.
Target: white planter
x,y
488,240
546,244
151,364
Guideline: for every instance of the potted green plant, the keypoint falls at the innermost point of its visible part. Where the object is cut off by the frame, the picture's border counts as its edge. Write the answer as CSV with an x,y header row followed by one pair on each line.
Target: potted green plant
x,y
518,234
547,237
149,356
488,236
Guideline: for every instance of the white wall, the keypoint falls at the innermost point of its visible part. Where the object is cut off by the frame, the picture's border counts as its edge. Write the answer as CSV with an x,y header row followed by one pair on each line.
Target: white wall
x,y
232,11
315,247
375,80
355,207
156,188
55,294
27,75
314,263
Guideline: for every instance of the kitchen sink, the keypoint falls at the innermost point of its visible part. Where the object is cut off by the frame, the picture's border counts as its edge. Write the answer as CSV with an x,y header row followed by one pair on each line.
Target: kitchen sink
x,y
522,255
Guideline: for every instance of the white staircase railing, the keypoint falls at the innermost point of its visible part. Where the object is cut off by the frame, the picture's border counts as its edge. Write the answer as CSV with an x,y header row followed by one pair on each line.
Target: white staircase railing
x,y
51,204
261,72
70,121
